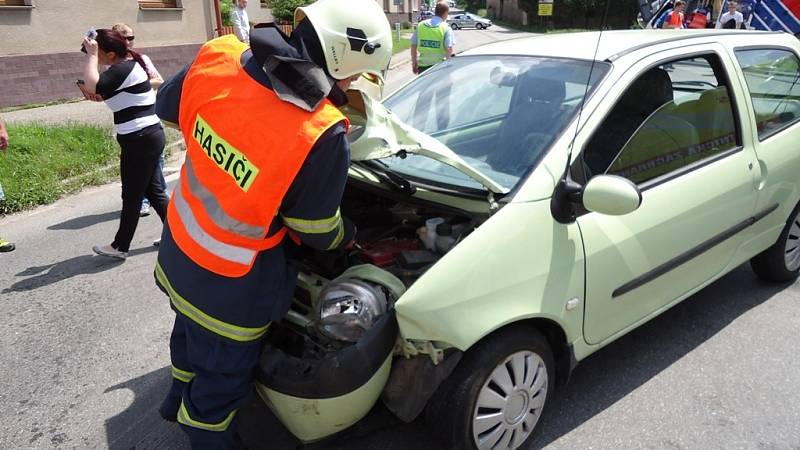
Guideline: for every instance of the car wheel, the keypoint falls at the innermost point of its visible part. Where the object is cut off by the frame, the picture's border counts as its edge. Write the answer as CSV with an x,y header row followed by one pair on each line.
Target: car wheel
x,y
454,26
781,262
495,397
479,26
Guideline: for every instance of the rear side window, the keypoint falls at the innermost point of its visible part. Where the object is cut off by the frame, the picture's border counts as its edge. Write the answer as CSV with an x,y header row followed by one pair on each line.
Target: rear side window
x,y
772,77
671,117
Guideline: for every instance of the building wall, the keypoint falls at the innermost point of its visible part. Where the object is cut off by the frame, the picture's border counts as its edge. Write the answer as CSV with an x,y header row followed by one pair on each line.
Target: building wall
x,y
258,14
25,79
39,47
57,26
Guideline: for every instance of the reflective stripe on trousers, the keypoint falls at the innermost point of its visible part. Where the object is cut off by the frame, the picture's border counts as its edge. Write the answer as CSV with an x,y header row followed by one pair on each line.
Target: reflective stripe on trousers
x,y
230,331
181,375
185,419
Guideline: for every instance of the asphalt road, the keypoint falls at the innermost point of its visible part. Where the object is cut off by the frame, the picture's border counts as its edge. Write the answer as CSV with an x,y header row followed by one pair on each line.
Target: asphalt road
x,y
84,360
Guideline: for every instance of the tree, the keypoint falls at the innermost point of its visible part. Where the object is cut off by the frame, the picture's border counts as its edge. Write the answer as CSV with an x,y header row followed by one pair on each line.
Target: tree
x,y
283,10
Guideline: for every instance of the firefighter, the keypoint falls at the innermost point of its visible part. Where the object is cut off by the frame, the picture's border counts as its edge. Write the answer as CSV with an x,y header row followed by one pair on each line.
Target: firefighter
x,y
266,164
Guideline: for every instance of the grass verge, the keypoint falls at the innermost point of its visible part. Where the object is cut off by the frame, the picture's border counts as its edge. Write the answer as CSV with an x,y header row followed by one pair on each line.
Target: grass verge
x,y
403,44
60,101
536,28
45,162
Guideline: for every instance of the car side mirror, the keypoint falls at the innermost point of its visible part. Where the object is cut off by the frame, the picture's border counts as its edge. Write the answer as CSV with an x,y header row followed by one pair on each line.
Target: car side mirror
x,y
611,195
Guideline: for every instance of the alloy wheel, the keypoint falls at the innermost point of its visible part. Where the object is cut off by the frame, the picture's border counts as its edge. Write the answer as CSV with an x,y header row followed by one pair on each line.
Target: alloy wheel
x,y
792,249
510,402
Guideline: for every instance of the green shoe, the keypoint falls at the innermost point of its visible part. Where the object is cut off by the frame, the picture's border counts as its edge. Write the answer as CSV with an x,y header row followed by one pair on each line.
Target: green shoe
x,y
6,246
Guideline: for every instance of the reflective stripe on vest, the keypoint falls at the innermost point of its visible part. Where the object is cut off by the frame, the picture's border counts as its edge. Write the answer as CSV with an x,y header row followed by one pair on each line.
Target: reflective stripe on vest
x,y
430,44
185,419
244,147
230,331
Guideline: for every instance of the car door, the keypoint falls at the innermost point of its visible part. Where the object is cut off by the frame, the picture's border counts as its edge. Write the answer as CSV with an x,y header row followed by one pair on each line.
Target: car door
x,y
676,133
469,21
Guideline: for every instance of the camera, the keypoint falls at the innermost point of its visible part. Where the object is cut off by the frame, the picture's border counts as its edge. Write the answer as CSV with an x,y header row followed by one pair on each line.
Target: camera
x,y
91,34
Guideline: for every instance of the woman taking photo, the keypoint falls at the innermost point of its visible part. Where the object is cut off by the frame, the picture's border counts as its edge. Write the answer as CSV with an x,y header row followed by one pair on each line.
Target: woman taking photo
x,y
126,90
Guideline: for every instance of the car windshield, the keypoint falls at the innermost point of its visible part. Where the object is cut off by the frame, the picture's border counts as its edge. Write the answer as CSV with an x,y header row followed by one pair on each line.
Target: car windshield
x,y
498,113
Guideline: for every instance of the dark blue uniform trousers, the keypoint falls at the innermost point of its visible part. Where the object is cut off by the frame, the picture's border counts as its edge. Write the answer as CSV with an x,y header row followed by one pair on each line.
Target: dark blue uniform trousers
x,y
212,377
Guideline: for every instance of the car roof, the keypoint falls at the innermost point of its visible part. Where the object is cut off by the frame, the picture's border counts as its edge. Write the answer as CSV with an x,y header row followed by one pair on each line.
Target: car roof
x,y
616,43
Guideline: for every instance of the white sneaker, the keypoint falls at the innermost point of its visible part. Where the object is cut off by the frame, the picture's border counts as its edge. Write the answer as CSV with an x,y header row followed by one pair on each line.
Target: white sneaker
x,y
144,211
157,243
111,252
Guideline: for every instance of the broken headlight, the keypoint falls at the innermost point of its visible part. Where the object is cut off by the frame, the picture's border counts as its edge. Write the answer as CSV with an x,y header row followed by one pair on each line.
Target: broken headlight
x,y
348,307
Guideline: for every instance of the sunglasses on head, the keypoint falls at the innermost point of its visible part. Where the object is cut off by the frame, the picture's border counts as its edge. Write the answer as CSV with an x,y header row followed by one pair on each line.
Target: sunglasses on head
x,y
130,38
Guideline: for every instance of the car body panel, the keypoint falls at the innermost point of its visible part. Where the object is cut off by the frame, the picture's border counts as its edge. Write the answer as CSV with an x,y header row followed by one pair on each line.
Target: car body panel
x,y
475,289
674,218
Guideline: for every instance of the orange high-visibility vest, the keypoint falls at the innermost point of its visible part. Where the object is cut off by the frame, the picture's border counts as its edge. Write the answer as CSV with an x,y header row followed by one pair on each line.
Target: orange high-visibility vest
x,y
244,147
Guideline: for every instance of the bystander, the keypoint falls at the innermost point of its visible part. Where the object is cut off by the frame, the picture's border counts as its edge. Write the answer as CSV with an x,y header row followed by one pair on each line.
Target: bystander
x,y
732,19
433,39
5,246
241,23
675,18
155,81
125,86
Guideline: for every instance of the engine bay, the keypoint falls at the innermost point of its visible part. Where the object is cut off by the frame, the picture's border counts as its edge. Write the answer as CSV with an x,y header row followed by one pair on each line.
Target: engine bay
x,y
341,294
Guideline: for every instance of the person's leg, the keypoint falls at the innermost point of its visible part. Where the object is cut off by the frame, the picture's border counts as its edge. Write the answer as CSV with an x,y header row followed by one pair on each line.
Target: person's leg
x,y
136,170
156,186
180,369
223,378
5,246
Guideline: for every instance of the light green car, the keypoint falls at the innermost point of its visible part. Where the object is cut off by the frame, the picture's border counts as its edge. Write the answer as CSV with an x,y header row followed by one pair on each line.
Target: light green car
x,y
524,205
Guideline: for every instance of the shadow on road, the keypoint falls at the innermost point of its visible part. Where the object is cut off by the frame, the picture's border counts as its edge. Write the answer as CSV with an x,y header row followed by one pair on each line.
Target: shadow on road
x,y
79,223
140,426
80,265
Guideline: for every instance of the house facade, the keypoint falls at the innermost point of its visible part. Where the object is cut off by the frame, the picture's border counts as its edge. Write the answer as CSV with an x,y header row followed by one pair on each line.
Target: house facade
x,y
40,40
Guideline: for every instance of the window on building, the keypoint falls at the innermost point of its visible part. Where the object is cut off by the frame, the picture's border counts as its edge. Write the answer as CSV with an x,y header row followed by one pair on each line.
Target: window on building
x,y
155,4
772,79
671,117
13,3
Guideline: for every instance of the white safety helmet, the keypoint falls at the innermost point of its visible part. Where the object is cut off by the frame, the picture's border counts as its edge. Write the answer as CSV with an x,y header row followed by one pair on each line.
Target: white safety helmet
x,y
355,35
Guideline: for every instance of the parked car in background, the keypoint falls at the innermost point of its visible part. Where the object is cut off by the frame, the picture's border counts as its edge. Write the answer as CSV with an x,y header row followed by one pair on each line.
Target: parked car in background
x,y
501,242
467,20
424,15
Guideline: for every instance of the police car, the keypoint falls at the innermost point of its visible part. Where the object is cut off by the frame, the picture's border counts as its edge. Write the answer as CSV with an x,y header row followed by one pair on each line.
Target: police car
x,y
526,204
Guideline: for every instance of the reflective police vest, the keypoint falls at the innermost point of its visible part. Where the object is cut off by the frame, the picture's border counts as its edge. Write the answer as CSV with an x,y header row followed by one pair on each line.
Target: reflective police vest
x,y
430,43
244,147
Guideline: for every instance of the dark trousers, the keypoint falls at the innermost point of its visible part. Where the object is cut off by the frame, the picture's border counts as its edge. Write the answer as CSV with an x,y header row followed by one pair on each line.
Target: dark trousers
x,y
141,177
220,377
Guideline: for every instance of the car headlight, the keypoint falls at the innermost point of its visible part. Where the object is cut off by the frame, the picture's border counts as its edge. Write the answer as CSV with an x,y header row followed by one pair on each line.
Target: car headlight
x,y
348,307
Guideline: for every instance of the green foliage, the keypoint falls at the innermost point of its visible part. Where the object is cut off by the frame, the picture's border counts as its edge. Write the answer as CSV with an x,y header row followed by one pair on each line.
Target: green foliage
x,y
405,25
283,10
400,45
471,5
45,162
481,12
226,7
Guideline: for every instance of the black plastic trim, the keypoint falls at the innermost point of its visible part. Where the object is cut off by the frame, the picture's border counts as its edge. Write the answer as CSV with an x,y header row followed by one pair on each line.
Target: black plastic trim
x,y
337,374
690,254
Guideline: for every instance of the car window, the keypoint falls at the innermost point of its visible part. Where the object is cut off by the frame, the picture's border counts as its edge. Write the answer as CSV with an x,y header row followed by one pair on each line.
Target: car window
x,y
772,78
499,113
671,116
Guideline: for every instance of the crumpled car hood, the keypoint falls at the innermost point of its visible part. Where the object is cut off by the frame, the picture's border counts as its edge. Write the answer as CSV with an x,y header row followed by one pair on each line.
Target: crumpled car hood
x,y
376,133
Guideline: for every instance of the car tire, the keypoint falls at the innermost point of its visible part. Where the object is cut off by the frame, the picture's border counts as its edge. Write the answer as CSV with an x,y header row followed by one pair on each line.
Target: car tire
x,y
781,262
479,26
454,26
487,376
